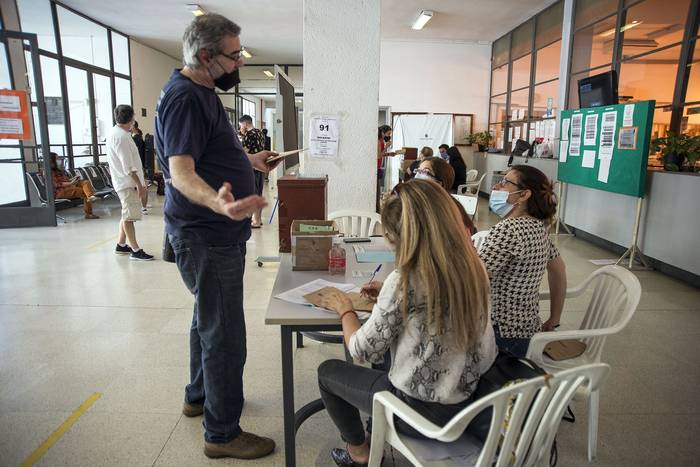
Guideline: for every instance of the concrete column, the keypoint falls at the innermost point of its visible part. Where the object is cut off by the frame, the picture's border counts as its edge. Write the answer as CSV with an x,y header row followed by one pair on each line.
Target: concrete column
x,y
341,76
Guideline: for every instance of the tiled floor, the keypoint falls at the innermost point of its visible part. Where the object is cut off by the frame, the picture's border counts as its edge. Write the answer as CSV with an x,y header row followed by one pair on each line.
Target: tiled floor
x,y
75,319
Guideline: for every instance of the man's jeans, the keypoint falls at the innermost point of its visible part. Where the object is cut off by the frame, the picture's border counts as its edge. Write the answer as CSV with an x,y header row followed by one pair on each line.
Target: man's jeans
x,y
214,275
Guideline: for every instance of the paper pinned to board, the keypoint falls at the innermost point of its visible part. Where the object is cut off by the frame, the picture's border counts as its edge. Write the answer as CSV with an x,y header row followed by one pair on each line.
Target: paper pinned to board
x,y
604,170
590,130
628,115
588,160
565,129
576,129
563,150
607,135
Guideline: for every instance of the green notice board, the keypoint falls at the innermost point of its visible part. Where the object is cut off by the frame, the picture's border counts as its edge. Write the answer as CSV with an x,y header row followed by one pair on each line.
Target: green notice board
x,y
607,148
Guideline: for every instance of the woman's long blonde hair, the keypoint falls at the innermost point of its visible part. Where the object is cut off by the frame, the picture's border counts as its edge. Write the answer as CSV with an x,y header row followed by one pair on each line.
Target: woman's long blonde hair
x,y
424,225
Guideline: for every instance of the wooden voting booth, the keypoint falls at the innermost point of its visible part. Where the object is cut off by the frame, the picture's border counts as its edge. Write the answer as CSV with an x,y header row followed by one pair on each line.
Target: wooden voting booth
x,y
607,148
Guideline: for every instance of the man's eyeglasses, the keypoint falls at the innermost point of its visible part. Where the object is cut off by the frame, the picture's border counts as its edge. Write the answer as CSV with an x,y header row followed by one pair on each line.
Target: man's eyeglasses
x,y
235,56
504,181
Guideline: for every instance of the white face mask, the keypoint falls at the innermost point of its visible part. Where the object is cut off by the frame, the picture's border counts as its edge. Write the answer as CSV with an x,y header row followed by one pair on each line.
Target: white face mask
x,y
498,202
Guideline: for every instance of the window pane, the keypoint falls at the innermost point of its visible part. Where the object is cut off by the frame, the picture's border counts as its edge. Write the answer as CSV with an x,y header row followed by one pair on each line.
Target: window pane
x,y
522,40
521,72
122,89
518,103
573,102
103,105
499,81
500,51
588,11
5,82
693,92
498,109
549,25
78,104
691,120
12,180
593,46
35,17
659,128
120,51
652,24
650,77
547,65
82,39
545,97
497,133
52,96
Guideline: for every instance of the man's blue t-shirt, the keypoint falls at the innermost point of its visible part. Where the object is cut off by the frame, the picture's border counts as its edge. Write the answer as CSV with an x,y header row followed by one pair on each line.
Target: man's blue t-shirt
x,y
190,119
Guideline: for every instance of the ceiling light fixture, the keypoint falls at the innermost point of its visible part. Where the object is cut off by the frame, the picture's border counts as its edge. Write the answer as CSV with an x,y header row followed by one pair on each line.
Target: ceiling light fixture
x,y
268,73
245,53
624,28
196,9
422,19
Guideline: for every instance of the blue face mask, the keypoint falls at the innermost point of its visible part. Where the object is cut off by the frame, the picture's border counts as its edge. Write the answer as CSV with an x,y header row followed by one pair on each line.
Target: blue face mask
x,y
498,202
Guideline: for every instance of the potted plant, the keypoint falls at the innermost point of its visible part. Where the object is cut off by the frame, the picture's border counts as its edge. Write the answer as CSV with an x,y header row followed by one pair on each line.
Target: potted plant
x,y
482,139
676,148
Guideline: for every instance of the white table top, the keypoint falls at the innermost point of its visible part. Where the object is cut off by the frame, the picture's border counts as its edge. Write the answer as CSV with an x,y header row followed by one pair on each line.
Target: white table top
x,y
284,313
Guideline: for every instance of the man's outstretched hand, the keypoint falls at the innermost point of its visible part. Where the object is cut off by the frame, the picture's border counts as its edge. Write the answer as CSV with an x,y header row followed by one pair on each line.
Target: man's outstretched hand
x,y
228,206
259,161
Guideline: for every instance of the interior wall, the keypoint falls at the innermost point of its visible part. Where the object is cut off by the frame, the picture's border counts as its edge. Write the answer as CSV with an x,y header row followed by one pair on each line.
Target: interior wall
x,y
436,77
150,70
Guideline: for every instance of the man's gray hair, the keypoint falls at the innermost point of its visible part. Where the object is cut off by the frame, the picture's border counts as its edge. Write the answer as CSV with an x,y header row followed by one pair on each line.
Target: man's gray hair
x,y
206,32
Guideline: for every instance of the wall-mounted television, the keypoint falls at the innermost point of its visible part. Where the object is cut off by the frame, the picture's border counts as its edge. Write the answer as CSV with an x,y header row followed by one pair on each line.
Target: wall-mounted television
x,y
598,90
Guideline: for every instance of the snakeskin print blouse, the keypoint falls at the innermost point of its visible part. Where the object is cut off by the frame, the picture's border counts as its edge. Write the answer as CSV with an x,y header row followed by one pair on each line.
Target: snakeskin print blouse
x,y
423,365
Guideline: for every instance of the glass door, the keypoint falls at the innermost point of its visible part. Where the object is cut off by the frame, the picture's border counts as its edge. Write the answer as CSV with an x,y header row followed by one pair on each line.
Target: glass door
x,y
81,127
102,108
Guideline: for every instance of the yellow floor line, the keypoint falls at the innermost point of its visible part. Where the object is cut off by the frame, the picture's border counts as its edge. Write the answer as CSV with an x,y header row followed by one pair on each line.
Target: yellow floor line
x,y
102,242
56,435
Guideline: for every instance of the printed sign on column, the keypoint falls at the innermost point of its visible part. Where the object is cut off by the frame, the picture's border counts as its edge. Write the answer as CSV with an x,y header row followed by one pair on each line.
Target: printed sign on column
x,y
14,115
324,136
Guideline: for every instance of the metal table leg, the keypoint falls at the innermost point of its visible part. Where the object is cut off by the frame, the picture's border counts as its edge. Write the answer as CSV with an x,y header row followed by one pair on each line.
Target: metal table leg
x,y
288,397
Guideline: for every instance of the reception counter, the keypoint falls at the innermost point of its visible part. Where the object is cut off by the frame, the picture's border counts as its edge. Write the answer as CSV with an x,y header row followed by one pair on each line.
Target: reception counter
x,y
670,223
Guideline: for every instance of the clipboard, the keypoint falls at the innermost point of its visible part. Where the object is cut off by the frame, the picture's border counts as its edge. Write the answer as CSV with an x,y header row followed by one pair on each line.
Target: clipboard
x,y
359,303
282,155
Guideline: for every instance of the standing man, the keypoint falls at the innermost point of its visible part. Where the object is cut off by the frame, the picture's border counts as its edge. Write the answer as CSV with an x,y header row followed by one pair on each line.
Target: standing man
x,y
127,173
253,142
209,198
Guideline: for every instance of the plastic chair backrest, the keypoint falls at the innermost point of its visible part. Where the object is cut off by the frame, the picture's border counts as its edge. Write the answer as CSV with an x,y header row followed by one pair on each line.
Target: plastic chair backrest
x,y
526,417
355,223
468,202
616,294
472,174
478,238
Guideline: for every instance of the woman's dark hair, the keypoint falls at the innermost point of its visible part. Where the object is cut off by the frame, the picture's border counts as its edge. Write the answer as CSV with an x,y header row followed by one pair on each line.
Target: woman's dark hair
x,y
383,129
542,203
444,173
454,152
123,114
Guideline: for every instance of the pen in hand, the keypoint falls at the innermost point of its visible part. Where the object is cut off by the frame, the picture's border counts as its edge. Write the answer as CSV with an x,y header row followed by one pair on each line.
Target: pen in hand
x,y
375,272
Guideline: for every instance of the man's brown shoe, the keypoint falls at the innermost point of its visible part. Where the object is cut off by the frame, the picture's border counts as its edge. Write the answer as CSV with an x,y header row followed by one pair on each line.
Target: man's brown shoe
x,y
245,446
192,410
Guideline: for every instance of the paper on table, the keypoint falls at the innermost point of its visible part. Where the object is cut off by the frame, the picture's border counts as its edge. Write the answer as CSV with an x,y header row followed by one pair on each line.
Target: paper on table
x,y
563,150
588,159
604,170
565,129
359,303
590,130
373,254
297,295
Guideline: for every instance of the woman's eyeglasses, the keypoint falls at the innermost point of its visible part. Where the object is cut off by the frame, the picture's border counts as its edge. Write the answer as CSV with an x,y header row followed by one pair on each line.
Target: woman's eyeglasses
x,y
504,181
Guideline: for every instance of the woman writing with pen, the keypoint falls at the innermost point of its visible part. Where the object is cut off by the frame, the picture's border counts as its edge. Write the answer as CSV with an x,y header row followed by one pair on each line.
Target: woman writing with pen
x,y
439,335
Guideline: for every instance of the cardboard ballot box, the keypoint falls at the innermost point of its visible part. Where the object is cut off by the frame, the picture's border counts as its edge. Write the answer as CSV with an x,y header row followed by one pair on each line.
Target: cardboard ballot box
x,y
311,242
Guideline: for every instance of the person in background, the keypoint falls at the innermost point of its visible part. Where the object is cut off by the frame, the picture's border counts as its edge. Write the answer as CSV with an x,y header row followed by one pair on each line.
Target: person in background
x,y
424,153
437,170
253,142
127,179
72,188
268,140
437,299
207,208
442,149
137,135
460,168
517,252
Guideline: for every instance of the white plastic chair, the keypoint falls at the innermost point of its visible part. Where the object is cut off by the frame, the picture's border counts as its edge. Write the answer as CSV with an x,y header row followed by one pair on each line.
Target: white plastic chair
x,y
616,293
472,187
525,420
354,223
471,175
468,202
478,238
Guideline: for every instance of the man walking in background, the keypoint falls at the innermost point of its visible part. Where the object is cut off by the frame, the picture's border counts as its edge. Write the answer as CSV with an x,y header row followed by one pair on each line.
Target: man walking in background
x,y
127,175
253,142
